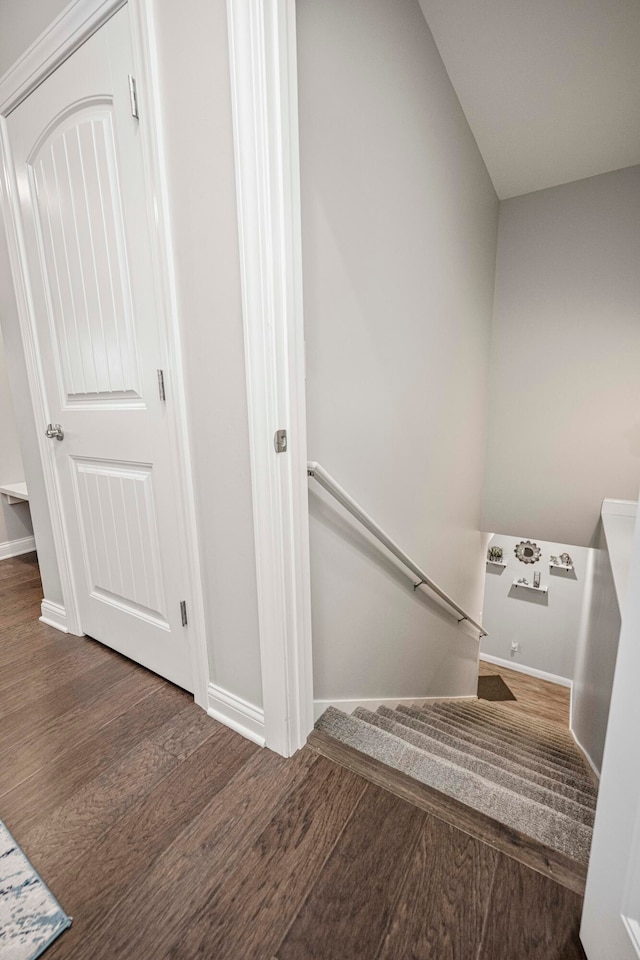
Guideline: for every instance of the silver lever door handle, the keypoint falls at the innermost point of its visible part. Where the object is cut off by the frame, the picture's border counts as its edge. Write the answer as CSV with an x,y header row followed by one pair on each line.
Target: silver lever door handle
x,y
54,431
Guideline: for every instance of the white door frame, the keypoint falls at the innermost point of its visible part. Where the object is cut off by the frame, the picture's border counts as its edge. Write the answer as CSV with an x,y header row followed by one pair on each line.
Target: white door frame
x,y
78,21
262,45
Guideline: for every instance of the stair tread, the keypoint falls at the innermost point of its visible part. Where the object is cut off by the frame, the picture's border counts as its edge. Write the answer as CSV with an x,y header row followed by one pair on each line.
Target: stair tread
x,y
545,824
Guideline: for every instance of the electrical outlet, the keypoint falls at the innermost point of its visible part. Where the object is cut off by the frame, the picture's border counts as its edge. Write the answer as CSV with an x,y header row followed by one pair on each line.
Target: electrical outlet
x,y
515,648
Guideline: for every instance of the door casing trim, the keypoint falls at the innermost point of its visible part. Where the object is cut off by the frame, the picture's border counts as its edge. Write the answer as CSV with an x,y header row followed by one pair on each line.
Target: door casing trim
x,y
78,21
262,47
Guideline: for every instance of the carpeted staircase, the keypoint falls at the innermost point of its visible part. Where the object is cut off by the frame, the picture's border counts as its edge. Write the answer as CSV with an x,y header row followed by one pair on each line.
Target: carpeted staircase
x,y
523,772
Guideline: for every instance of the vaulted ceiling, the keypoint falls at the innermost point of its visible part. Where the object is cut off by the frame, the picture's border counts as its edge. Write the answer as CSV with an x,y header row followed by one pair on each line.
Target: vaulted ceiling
x,y
550,88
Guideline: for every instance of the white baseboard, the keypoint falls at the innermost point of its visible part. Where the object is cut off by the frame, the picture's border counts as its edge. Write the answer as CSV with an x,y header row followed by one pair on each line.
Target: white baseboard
x,y
234,712
15,548
54,615
348,706
586,754
531,671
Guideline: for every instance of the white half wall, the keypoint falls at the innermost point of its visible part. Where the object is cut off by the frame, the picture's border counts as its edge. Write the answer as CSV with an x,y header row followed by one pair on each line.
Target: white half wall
x,y
399,223
565,391
544,625
597,649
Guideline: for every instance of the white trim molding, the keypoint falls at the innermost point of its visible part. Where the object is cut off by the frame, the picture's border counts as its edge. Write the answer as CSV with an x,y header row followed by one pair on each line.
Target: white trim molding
x,y
78,21
15,548
234,712
585,753
348,706
262,45
66,33
530,671
54,615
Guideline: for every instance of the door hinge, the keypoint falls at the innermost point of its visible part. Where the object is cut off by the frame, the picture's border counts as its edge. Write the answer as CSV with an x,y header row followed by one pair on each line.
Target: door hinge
x,y
183,612
161,388
280,441
133,97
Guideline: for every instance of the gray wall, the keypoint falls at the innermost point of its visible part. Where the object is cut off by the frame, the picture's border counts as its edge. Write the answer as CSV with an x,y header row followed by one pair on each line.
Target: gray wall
x,y
21,22
545,625
565,391
399,223
15,520
196,98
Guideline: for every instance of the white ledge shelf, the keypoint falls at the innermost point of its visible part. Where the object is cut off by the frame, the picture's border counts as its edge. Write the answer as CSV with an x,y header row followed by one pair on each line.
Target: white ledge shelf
x,y
15,492
530,586
561,566
497,563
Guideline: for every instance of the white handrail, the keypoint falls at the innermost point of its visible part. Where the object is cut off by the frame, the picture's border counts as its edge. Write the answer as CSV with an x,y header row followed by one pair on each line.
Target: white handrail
x,y
325,480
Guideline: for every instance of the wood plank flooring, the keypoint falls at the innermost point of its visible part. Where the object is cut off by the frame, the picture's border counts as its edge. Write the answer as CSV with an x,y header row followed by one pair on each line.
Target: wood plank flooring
x,y
537,698
166,835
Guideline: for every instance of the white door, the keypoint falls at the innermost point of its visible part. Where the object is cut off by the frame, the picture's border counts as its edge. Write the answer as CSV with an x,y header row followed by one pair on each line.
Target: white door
x,y
80,173
611,917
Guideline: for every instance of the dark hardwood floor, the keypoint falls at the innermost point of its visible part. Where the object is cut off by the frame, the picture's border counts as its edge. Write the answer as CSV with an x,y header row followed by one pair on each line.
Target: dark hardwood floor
x,y
166,835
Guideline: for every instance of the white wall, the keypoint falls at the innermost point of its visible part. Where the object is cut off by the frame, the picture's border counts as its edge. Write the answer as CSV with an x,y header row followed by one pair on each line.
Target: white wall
x,y
598,643
545,625
565,391
399,223
610,914
15,520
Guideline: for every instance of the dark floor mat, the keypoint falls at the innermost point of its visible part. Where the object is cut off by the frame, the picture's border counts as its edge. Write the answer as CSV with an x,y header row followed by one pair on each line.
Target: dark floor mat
x,y
494,688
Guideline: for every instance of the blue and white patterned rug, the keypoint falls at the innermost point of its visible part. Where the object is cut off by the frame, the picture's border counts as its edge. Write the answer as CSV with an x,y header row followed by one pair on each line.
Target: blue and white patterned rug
x,y
30,916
